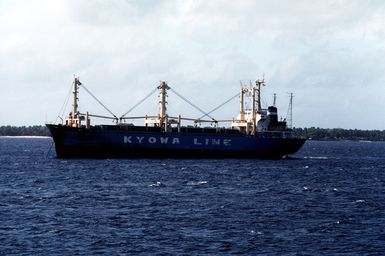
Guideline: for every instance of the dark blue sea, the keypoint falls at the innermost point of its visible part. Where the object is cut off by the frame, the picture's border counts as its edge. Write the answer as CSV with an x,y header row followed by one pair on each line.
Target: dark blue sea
x,y
328,200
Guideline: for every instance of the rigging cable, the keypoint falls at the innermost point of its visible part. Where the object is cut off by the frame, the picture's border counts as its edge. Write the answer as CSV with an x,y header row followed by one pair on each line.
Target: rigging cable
x,y
192,104
62,109
85,88
140,102
221,105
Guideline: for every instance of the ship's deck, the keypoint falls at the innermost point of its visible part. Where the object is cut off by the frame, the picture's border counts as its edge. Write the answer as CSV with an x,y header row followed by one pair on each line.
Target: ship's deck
x,y
184,129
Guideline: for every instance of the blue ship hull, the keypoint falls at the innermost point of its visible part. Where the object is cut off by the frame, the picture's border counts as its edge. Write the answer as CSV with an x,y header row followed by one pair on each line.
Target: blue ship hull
x,y
111,141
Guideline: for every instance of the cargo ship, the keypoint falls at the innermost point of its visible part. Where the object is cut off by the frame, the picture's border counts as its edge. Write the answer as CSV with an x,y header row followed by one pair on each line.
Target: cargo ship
x,y
255,132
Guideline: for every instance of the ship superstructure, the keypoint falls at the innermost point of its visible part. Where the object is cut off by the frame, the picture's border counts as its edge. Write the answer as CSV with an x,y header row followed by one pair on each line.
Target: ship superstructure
x,y
255,133
257,120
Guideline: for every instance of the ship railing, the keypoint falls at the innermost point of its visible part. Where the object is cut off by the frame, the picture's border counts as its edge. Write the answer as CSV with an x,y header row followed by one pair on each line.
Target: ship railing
x,y
195,120
104,117
175,120
99,116
137,117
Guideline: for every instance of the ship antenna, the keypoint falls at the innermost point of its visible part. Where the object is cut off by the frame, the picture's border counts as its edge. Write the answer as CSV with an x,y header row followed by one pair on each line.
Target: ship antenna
x,y
274,99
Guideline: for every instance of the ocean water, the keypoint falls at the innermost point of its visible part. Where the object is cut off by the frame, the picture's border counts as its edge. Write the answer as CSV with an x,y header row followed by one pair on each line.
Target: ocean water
x,y
328,200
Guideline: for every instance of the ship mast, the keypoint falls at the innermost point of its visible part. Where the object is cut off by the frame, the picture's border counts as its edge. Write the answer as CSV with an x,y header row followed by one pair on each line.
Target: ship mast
x,y
247,119
162,119
241,108
74,118
290,112
257,101
75,104
163,87
253,112
258,84
162,100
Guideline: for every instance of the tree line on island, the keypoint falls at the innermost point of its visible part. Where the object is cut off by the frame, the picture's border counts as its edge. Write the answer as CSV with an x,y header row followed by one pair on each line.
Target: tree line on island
x,y
340,134
36,130
313,133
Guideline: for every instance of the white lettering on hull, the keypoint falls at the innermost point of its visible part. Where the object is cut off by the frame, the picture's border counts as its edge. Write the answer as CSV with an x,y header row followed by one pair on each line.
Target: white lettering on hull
x,y
140,139
163,140
196,142
175,141
227,142
127,139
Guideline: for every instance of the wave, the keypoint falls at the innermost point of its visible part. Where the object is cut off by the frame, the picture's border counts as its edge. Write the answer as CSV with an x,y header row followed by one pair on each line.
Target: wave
x,y
316,157
157,184
196,183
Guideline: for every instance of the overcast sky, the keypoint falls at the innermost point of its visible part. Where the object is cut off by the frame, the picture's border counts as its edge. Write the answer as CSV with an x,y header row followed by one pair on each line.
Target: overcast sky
x,y
329,53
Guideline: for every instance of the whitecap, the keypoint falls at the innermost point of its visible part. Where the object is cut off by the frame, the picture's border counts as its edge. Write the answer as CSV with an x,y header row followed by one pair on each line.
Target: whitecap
x,y
157,184
253,232
195,183
359,201
316,157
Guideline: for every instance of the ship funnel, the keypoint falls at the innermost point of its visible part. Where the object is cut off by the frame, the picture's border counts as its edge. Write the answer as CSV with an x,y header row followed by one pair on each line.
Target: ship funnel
x,y
272,113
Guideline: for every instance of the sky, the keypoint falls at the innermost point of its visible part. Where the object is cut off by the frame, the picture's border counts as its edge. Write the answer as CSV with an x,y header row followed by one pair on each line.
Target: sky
x,y
329,53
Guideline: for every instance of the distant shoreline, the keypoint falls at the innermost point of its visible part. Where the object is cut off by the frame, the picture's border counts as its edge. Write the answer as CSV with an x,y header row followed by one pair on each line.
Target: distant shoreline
x,y
35,130
25,137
